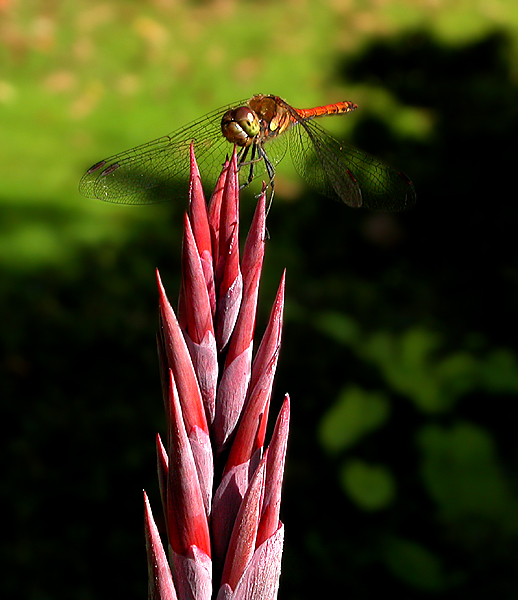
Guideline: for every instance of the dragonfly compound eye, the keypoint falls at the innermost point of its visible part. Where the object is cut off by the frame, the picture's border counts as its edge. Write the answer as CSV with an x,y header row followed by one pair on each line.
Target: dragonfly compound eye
x,y
240,125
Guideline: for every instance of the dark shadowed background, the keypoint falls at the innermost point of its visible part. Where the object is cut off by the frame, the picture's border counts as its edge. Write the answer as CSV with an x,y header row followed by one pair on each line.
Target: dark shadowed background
x,y
399,348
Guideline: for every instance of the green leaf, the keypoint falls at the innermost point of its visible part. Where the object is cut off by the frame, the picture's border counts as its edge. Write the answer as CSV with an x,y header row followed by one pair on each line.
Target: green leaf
x,y
414,564
461,471
356,413
371,487
338,326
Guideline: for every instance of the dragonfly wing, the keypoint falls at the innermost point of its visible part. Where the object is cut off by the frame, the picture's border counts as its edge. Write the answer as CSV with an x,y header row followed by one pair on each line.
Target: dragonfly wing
x,y
155,171
347,173
276,148
317,159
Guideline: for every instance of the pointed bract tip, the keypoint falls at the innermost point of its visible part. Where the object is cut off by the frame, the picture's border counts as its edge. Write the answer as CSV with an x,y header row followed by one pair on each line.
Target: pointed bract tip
x,y
160,581
187,520
244,534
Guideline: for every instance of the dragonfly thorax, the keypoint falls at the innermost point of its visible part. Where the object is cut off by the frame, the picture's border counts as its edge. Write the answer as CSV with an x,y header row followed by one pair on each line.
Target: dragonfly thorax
x,y
240,126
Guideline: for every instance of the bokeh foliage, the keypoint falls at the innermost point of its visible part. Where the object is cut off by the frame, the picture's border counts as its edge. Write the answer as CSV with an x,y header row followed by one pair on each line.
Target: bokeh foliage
x,y
399,349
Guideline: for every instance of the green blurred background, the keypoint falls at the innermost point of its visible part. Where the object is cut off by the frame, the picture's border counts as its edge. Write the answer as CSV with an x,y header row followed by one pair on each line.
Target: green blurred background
x,y
399,349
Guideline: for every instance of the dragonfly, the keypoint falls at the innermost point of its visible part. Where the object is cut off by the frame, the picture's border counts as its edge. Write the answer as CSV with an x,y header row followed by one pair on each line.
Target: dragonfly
x,y
262,128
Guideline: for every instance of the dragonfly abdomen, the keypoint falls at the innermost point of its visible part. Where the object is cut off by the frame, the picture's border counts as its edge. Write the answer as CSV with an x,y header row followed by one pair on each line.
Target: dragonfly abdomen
x,y
339,108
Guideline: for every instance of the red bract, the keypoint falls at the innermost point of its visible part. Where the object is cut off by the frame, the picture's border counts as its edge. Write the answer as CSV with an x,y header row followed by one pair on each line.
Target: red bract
x,y
220,489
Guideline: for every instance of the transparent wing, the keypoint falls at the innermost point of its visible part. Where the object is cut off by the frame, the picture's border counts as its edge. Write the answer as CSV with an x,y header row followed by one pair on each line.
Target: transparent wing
x,y
158,170
343,172
276,148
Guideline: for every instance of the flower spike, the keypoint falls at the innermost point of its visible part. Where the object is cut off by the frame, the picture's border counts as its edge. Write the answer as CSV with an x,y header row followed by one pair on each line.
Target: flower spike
x,y
236,373
224,535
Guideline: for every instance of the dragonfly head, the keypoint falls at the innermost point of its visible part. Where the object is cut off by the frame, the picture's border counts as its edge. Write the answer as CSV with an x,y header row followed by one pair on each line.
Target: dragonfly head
x,y
240,125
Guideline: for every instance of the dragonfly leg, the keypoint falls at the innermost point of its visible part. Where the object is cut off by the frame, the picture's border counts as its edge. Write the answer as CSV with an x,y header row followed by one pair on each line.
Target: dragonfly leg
x,y
250,163
271,174
257,155
241,156
242,162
